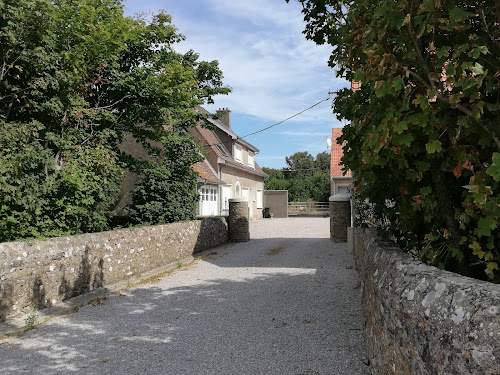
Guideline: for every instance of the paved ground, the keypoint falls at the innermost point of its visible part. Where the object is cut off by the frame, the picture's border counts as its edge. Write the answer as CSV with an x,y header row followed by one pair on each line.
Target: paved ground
x,y
287,302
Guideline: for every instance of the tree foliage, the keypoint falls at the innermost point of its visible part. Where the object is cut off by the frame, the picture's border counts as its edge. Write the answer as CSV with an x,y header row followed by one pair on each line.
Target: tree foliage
x,y
306,178
166,192
424,142
76,78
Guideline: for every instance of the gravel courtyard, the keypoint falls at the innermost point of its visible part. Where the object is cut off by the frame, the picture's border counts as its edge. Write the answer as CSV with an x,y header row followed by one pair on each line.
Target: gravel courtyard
x,y
287,302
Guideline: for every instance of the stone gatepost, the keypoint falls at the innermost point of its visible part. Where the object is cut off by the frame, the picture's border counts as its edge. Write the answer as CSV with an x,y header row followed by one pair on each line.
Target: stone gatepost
x,y
239,229
340,217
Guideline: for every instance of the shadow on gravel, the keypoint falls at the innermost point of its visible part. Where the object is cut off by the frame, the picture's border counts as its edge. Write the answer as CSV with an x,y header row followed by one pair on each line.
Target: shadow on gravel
x,y
294,319
282,252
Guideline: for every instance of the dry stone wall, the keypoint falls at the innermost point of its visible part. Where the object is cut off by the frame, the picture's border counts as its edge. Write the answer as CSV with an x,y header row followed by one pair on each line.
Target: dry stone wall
x,y
422,320
43,273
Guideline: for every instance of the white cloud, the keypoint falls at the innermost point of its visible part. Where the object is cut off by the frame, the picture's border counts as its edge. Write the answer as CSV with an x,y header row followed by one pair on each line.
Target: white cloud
x,y
273,70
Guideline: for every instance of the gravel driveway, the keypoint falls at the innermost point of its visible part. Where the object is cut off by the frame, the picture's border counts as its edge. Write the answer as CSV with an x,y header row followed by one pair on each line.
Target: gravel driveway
x,y
287,302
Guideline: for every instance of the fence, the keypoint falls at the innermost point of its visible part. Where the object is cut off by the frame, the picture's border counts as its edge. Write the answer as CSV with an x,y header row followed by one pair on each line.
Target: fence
x,y
308,208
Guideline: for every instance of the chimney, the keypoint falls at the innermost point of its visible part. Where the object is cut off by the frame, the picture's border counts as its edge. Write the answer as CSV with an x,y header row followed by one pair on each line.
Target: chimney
x,y
225,117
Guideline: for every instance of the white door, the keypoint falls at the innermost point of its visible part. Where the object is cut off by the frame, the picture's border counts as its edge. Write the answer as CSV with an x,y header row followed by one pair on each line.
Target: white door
x,y
208,200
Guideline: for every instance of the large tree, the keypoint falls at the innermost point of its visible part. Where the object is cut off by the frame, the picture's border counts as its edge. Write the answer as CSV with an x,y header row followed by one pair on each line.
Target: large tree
x,y
424,138
306,178
76,78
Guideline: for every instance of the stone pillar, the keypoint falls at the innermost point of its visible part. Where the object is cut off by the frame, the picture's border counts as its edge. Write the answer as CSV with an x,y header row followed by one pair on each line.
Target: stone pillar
x,y
340,217
239,229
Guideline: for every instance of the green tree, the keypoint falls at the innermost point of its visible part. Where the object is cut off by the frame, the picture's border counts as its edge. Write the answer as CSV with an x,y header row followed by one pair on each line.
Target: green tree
x,y
322,162
166,192
305,179
424,139
321,186
300,164
273,173
76,77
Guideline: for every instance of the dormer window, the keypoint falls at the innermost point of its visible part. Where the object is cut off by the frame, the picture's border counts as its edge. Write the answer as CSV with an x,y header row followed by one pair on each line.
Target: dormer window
x,y
221,150
238,153
251,159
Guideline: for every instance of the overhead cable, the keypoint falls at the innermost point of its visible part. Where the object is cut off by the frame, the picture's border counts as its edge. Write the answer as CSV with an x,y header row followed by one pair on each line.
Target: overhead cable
x,y
330,94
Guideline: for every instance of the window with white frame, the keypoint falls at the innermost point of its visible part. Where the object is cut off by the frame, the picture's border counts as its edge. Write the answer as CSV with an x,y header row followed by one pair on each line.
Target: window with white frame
x,y
238,153
260,199
251,159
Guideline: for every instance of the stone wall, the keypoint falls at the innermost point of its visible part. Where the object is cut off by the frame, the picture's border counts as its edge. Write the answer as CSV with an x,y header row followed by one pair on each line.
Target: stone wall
x,y
43,273
340,217
239,230
422,320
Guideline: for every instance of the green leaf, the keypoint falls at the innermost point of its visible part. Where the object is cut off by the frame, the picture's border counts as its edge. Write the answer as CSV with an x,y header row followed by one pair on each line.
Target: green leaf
x,y
486,225
459,14
401,126
433,147
479,50
477,250
443,51
383,90
494,168
424,101
478,69
406,139
398,84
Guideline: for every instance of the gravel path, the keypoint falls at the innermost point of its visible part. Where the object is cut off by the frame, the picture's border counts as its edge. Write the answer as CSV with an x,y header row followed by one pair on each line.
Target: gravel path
x,y
287,302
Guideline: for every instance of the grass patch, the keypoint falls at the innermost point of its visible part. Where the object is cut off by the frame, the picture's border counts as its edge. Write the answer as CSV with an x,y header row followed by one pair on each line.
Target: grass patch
x,y
30,321
98,301
275,251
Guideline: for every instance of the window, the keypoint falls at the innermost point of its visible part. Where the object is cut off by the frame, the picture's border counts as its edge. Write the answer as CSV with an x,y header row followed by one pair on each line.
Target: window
x,y
238,153
221,150
251,159
260,199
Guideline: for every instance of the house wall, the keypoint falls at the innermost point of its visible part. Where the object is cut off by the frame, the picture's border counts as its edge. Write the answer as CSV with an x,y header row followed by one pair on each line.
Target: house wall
x,y
131,147
335,183
277,202
423,320
44,273
232,175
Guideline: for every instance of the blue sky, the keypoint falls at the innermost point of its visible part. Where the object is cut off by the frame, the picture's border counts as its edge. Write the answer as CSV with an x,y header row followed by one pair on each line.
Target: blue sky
x,y
273,70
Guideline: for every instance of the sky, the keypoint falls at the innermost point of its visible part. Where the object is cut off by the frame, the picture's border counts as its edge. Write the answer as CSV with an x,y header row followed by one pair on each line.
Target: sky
x,y
273,70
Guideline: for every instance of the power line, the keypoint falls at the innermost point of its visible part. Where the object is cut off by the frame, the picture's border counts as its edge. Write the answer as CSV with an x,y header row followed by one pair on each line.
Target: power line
x,y
330,94
289,118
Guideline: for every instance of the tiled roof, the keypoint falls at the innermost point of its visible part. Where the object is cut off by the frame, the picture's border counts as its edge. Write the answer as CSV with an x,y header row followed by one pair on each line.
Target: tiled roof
x,y
217,123
206,172
337,153
210,139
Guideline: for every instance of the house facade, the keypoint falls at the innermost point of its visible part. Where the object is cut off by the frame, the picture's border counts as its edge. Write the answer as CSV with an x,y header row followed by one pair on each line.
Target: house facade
x,y
339,183
229,169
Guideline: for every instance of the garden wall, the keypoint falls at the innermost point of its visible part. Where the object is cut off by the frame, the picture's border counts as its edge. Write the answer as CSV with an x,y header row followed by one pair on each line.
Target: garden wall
x,y
43,273
422,320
